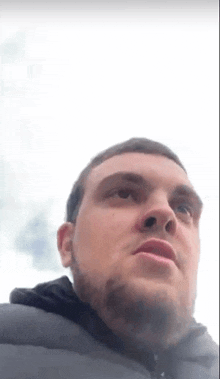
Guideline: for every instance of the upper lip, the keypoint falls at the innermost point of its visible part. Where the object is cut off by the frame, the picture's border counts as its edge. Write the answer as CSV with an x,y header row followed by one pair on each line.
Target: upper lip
x,y
158,247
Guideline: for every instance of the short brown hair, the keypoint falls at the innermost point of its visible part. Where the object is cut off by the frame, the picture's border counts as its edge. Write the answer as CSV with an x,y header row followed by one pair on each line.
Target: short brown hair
x,y
138,145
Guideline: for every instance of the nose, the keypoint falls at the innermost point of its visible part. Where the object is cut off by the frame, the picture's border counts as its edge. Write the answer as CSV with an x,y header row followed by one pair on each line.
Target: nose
x,y
159,217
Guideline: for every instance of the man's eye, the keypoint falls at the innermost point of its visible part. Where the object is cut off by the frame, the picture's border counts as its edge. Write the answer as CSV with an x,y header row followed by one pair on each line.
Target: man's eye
x,y
185,209
123,193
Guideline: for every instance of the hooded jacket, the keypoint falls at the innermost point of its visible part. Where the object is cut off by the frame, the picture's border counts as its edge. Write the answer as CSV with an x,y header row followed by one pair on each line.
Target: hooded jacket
x,y
48,333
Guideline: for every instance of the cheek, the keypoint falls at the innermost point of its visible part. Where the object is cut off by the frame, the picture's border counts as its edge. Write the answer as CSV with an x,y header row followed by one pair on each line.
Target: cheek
x,y
192,259
98,233
188,247
195,249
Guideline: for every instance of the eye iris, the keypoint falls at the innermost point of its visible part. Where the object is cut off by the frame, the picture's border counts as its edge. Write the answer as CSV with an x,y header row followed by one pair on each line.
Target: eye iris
x,y
183,209
124,194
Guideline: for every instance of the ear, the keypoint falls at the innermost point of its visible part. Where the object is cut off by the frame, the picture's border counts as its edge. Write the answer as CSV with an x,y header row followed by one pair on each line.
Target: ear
x,y
65,243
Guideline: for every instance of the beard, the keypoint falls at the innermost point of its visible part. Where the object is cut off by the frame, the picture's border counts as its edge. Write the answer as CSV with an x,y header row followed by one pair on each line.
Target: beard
x,y
143,322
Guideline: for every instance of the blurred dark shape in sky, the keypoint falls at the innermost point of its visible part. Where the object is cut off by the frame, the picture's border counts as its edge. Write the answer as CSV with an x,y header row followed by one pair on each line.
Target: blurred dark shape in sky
x,y
36,239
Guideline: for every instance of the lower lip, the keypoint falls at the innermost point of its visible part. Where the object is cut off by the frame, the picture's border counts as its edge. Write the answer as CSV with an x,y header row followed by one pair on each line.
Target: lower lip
x,y
156,258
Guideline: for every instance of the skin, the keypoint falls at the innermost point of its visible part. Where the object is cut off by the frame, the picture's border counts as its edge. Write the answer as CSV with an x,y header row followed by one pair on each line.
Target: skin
x,y
147,304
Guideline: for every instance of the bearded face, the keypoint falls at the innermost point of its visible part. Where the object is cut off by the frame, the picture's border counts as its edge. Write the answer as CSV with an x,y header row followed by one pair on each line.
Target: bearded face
x,y
134,248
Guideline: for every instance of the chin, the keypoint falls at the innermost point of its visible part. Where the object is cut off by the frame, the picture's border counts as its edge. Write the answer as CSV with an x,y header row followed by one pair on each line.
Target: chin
x,y
151,315
142,313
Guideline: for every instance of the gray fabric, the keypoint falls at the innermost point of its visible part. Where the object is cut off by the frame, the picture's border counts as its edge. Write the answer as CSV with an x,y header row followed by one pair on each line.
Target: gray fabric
x,y
48,333
39,344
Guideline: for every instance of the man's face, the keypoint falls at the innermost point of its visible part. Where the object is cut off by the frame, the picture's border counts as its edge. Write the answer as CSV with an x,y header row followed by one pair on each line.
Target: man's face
x,y
129,200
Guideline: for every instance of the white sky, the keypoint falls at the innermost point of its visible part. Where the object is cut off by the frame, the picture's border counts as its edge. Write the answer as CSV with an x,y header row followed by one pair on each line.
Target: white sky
x,y
98,79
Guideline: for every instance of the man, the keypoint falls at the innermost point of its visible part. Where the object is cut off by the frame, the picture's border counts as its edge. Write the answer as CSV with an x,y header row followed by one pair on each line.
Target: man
x,y
131,240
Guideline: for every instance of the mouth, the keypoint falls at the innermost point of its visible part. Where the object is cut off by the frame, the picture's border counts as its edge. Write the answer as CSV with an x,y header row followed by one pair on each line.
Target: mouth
x,y
158,247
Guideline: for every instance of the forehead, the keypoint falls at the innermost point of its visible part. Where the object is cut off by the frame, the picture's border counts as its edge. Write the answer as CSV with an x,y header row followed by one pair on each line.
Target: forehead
x,y
149,166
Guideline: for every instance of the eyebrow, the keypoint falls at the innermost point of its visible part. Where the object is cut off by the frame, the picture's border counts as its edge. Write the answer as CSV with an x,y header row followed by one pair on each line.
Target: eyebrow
x,y
125,176
131,177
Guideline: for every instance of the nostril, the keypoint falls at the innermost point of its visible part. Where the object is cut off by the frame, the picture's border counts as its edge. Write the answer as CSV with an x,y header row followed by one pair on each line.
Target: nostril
x,y
150,222
168,226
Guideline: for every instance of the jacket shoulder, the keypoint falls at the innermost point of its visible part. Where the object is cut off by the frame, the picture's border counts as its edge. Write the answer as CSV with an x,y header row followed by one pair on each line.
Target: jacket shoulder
x,y
26,325
35,343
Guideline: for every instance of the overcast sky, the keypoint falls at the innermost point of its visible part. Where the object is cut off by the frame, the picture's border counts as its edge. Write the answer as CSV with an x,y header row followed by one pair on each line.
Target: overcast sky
x,y
77,80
